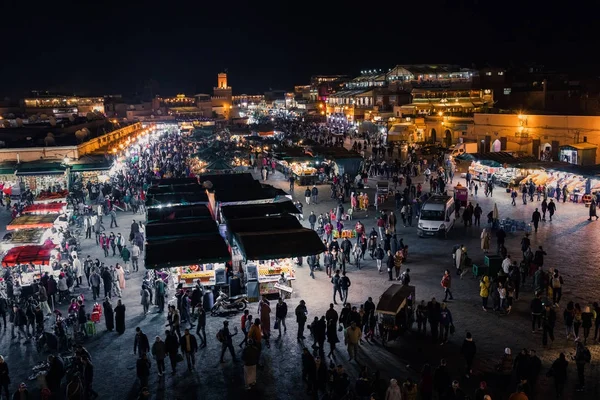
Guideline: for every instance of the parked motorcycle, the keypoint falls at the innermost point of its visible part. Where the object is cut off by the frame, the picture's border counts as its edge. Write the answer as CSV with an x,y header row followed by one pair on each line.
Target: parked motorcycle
x,y
226,303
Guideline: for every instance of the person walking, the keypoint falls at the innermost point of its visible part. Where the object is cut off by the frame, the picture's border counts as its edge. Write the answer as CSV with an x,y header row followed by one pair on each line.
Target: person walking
x,y
172,349
250,357
551,209
307,194
582,357
145,299
484,291
301,316
159,351
264,311
536,217
446,283
189,347
446,323
142,367
281,310
344,286
485,240
315,194
335,281
548,323
120,317
224,336
141,344
201,326
4,377
352,338
468,350
558,371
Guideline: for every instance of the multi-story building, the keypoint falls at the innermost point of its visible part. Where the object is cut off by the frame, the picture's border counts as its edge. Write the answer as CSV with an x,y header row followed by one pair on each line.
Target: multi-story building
x,y
322,86
61,105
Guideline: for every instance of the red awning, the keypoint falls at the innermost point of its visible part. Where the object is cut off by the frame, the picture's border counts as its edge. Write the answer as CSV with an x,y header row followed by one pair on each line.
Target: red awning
x,y
37,255
49,208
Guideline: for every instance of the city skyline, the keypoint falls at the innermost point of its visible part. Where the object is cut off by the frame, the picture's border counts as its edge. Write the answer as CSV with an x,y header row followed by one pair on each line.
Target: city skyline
x,y
122,50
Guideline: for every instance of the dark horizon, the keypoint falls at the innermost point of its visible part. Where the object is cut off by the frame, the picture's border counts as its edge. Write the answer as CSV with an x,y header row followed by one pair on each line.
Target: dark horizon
x,y
88,50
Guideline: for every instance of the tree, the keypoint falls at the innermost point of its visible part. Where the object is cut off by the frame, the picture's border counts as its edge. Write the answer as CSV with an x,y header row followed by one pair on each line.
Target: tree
x,y
49,140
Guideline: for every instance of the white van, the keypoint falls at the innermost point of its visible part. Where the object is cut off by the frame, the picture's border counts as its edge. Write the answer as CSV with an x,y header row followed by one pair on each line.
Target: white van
x,y
436,216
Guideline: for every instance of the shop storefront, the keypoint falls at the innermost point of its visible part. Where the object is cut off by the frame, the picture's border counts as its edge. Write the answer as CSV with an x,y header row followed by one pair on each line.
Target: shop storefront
x,y
300,165
39,176
266,247
94,170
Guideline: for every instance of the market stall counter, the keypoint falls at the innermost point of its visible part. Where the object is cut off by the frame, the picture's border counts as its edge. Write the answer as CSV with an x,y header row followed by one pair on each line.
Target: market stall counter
x,y
29,263
31,221
24,237
45,208
190,257
267,247
45,197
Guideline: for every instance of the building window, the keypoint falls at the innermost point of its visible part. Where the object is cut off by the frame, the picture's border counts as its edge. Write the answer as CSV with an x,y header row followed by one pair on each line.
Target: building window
x,y
500,73
507,90
489,73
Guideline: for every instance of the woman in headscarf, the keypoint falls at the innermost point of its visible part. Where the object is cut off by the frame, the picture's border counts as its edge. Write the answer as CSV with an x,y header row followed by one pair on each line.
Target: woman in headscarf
x,y
485,240
264,310
393,391
120,317
109,315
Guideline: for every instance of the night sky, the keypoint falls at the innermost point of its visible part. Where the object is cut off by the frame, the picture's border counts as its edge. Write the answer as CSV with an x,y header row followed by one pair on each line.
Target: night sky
x,y
106,48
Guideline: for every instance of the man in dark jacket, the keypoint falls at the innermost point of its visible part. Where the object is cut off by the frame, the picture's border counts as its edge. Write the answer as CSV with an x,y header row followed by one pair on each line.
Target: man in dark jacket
x,y
312,220
344,286
548,323
87,373
189,346
301,313
19,322
390,265
143,370
141,344
107,280
55,373
331,314
468,350
172,348
281,310
346,249
441,379
433,315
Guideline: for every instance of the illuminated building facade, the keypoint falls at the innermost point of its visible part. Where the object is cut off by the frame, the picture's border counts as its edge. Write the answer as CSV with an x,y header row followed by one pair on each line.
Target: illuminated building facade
x,y
59,105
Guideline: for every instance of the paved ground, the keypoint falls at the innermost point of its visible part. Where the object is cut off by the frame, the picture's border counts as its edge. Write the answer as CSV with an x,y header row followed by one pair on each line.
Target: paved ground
x,y
568,239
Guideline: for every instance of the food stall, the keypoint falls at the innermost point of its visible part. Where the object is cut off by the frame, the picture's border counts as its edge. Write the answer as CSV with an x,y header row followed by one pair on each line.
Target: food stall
x,y
45,208
266,247
43,176
44,196
25,237
94,169
341,160
31,221
189,258
298,163
230,212
395,309
29,263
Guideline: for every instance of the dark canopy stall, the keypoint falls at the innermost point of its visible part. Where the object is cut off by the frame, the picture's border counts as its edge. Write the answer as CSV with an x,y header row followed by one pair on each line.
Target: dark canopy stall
x,y
175,199
258,210
169,214
186,250
393,298
162,230
185,188
279,244
273,223
225,181
38,255
348,161
173,181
